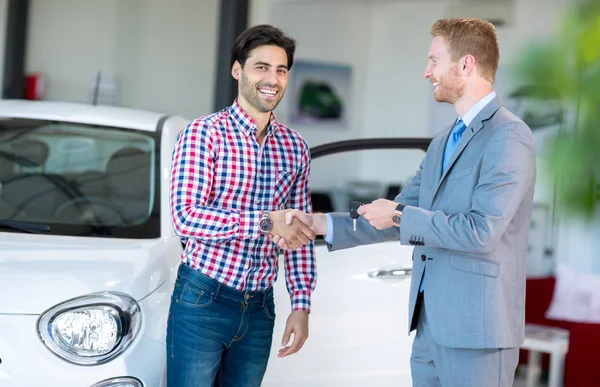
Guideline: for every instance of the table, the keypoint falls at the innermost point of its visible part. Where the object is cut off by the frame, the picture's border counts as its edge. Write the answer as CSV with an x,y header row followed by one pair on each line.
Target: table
x,y
552,340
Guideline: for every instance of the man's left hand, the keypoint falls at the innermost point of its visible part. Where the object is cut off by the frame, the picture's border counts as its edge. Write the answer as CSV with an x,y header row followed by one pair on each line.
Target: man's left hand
x,y
297,323
379,213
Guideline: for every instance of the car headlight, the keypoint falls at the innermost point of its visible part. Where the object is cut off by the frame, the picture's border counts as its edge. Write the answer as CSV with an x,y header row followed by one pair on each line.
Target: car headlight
x,y
92,329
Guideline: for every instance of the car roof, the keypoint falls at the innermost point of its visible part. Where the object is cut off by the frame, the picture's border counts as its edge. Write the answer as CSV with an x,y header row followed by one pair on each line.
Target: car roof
x,y
81,113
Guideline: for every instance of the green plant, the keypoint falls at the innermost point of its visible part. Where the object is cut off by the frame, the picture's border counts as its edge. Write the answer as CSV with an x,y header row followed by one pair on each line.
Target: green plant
x,y
568,68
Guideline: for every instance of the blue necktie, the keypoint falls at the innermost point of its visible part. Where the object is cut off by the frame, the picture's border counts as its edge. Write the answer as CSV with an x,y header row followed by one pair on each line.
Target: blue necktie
x,y
453,139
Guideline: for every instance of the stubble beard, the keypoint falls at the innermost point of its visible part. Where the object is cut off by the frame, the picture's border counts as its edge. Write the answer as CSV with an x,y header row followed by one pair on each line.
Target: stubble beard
x,y
250,94
450,88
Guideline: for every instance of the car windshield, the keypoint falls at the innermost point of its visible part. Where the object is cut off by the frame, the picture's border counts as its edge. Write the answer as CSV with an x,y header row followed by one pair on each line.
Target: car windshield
x,y
78,179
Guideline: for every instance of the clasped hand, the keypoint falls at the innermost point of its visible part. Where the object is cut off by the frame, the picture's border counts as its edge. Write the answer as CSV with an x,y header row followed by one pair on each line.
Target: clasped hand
x,y
378,214
316,223
295,233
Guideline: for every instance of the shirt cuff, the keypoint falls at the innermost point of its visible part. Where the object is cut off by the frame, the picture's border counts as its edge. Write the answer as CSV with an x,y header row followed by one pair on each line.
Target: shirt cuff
x,y
329,236
301,300
248,221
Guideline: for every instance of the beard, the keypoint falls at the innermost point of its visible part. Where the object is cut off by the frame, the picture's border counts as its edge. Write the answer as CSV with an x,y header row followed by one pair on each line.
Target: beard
x,y
252,95
450,88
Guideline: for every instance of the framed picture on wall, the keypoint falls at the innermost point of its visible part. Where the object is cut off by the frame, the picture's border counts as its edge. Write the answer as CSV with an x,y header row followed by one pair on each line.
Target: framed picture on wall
x,y
319,94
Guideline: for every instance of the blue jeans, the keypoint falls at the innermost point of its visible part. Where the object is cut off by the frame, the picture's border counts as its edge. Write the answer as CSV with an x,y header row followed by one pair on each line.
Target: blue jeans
x,y
216,335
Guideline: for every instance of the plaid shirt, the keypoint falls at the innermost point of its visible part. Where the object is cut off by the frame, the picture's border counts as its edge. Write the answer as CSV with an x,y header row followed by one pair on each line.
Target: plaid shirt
x,y
222,181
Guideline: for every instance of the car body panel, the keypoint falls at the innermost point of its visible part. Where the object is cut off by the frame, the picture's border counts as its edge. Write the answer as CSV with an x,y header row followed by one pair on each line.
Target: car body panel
x,y
358,323
45,270
358,326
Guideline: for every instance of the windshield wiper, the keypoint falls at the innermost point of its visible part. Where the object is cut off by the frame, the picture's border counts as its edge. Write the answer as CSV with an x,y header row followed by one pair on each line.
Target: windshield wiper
x,y
24,226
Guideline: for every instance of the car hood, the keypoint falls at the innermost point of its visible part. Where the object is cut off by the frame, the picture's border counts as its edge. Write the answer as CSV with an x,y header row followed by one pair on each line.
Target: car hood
x,y
40,271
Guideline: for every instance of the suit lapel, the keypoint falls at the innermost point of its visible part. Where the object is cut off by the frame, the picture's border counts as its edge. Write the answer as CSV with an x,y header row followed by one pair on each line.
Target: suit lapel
x,y
440,154
469,133
475,126
437,169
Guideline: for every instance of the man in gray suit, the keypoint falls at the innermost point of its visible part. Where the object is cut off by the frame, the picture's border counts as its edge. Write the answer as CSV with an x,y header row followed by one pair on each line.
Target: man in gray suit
x,y
466,212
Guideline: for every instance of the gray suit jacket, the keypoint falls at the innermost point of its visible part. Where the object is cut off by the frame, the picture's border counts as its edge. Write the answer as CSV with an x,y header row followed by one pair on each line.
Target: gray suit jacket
x,y
469,227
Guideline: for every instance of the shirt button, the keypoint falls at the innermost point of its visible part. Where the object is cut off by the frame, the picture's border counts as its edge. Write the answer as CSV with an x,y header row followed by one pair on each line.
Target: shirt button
x,y
259,174
257,201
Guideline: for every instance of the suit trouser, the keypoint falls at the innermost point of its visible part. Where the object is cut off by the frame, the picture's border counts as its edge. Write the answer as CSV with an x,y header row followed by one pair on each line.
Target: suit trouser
x,y
435,365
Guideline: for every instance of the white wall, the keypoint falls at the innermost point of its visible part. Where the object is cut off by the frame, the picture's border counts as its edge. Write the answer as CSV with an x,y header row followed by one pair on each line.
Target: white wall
x,y
69,41
167,57
162,53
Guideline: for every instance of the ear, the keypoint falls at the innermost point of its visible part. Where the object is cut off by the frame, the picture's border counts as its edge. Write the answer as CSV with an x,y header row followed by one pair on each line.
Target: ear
x,y
466,64
236,70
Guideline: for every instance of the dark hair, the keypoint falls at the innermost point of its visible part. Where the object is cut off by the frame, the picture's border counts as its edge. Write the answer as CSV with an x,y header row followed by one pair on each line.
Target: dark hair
x,y
262,35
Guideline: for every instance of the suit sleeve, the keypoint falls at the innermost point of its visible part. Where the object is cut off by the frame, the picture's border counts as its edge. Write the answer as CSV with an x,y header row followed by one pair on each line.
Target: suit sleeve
x,y
507,173
410,192
345,237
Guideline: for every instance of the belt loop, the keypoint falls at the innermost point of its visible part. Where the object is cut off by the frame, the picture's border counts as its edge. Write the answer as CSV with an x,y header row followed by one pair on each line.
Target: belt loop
x,y
217,290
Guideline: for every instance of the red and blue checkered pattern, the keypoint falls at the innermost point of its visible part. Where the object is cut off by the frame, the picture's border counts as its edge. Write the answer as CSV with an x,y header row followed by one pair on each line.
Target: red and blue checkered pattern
x,y
222,181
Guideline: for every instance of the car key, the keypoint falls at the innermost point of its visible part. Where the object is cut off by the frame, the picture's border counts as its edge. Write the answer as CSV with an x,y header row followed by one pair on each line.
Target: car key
x,y
354,212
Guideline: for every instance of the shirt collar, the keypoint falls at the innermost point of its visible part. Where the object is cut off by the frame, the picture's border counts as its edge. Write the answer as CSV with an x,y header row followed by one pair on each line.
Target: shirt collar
x,y
470,115
246,123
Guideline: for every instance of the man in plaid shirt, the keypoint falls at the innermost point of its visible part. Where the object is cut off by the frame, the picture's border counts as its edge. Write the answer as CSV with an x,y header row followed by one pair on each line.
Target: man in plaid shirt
x,y
235,175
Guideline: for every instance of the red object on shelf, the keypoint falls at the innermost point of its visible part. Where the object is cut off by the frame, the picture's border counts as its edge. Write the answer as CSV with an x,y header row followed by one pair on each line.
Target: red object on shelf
x,y
34,86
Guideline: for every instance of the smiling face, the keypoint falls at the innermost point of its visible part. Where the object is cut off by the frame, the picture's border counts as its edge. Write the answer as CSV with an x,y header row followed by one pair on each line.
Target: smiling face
x,y
443,73
263,78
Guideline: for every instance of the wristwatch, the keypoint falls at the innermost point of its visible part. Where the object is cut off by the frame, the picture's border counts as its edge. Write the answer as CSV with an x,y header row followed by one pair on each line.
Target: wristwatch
x,y
265,224
397,215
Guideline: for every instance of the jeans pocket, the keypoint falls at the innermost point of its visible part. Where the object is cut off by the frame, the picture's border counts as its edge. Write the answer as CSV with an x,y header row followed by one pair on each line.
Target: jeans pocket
x,y
269,309
194,296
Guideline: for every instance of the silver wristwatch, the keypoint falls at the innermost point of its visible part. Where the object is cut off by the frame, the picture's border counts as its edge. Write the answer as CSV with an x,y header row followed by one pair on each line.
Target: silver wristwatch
x,y
397,214
265,224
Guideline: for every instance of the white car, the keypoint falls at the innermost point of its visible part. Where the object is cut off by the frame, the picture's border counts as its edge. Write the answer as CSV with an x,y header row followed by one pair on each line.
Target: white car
x,y
88,258
88,255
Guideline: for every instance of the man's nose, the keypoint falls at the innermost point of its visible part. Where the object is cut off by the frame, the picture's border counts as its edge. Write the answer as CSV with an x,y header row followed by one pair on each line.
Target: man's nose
x,y
427,72
271,77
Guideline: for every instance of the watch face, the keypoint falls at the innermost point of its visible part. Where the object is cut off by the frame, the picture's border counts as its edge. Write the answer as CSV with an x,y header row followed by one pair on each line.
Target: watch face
x,y
265,224
396,219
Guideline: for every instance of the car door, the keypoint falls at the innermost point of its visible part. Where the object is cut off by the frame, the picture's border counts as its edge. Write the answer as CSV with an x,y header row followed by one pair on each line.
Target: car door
x,y
359,319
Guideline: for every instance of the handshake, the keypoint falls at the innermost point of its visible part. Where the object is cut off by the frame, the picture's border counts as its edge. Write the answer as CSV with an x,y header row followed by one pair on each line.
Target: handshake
x,y
293,229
